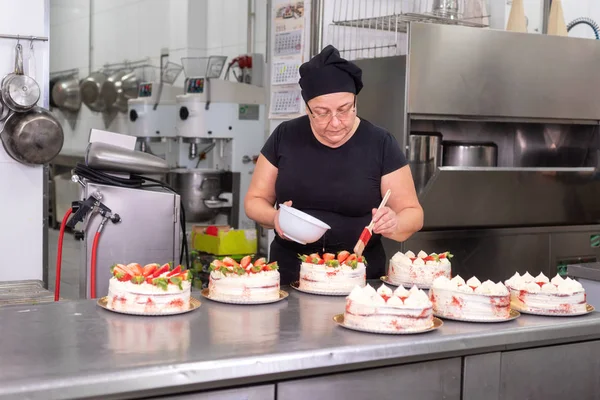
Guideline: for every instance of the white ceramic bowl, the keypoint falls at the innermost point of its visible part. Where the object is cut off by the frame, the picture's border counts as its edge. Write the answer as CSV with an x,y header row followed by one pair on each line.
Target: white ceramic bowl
x,y
299,226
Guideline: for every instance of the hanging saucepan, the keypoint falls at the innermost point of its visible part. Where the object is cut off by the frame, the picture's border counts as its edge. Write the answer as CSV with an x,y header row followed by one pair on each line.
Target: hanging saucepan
x,y
4,111
51,87
19,92
66,94
90,91
33,137
111,89
128,89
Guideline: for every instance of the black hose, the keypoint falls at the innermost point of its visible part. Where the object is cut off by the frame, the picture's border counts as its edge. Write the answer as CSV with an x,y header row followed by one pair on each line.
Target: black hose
x,y
586,21
136,182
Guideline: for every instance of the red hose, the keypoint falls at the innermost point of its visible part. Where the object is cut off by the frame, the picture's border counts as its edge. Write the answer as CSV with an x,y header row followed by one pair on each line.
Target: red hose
x,y
93,266
61,236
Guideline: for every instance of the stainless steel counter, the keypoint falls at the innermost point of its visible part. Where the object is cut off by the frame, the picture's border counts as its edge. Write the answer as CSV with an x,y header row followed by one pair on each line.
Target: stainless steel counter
x,y
78,350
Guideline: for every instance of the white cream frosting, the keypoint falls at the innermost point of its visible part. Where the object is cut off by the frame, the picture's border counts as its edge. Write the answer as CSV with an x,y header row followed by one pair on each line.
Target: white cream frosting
x,y
395,302
147,298
367,295
557,280
406,269
385,291
401,292
321,278
549,288
527,277
546,296
369,290
263,285
487,287
456,298
530,284
417,299
419,261
473,282
458,280
541,278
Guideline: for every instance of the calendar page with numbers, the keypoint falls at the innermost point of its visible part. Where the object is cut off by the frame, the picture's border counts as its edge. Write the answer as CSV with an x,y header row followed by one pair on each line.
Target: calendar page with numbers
x,y
285,72
286,100
288,48
288,43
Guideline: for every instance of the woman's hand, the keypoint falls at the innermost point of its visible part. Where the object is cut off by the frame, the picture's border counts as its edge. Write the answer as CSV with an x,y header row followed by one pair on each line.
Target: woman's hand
x,y
276,221
385,221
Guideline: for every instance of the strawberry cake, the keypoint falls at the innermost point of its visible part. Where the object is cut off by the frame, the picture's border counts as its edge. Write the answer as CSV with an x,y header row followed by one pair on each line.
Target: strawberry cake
x,y
422,269
245,281
387,311
471,301
541,295
152,289
331,274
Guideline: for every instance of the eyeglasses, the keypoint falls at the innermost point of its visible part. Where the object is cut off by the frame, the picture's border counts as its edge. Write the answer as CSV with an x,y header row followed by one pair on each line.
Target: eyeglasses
x,y
328,116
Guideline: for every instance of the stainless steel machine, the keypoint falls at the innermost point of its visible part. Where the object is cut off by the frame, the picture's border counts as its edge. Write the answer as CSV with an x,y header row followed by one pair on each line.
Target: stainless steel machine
x,y
148,231
152,117
220,126
121,216
535,98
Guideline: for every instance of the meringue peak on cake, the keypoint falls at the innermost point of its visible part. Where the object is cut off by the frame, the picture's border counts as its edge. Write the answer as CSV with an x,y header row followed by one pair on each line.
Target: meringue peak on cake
x,y
473,285
541,283
401,297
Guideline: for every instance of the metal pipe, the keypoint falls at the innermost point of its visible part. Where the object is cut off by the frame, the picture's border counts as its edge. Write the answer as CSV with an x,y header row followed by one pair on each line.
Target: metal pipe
x,y
268,41
46,168
546,5
26,38
316,27
90,37
250,29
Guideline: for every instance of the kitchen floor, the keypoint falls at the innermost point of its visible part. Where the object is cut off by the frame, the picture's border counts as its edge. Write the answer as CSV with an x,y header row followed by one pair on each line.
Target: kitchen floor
x,y
69,278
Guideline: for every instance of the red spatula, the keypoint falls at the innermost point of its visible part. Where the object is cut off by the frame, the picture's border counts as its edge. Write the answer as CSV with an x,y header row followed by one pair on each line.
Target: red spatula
x,y
368,231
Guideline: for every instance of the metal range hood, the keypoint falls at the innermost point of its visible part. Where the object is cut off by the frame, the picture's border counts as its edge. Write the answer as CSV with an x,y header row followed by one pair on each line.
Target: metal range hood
x,y
535,96
458,72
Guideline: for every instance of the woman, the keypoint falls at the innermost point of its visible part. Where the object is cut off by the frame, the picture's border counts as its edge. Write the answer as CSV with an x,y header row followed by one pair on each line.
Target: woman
x,y
336,167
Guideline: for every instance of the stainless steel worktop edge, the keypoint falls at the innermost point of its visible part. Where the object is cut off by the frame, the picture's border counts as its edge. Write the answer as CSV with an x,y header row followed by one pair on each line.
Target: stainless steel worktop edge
x,y
457,339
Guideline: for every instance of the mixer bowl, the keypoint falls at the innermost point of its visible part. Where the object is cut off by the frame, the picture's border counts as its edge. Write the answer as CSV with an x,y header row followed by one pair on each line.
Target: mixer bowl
x,y
299,226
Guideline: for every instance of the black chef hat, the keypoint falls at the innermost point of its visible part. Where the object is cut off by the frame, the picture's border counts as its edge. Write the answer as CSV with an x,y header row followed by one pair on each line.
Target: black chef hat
x,y
327,72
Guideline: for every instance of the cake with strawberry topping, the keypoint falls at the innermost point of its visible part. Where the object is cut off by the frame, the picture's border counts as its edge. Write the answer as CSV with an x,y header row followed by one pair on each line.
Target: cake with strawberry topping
x,y
471,300
384,310
152,289
245,281
422,269
332,274
541,295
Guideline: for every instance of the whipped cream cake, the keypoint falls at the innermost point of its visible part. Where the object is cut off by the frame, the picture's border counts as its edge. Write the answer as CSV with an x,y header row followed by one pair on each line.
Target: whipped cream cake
x,y
332,274
544,296
470,300
421,269
390,311
245,281
152,289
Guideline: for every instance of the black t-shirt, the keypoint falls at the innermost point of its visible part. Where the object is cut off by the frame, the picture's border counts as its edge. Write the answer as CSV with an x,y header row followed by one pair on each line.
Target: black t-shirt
x,y
340,186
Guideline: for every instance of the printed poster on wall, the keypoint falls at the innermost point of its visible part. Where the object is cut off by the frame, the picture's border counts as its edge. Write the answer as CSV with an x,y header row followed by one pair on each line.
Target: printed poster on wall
x,y
287,49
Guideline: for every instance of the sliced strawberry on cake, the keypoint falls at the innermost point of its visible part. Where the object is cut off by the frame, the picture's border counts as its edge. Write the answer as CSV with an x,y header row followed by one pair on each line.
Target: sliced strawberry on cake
x,y
421,269
331,273
243,281
153,288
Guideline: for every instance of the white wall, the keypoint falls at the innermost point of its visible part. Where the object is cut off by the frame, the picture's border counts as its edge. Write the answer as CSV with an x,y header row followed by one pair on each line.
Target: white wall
x,y
581,8
21,205
137,29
